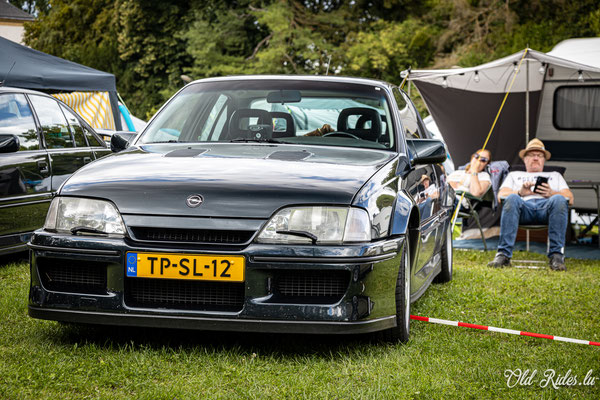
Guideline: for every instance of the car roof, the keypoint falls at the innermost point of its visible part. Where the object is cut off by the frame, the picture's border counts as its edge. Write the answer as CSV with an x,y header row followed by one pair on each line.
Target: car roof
x,y
311,78
10,89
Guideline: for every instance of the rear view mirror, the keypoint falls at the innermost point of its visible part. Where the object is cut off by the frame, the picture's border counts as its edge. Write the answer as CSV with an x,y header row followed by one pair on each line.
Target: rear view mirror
x,y
284,96
426,151
9,143
119,141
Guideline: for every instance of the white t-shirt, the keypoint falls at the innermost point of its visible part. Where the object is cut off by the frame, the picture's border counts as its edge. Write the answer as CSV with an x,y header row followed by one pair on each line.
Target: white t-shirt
x,y
460,174
515,180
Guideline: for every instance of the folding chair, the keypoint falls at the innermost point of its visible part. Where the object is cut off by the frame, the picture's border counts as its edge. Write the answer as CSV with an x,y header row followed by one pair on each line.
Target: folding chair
x,y
470,212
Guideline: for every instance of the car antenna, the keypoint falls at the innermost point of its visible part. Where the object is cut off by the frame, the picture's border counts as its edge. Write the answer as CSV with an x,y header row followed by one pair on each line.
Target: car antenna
x,y
328,62
7,74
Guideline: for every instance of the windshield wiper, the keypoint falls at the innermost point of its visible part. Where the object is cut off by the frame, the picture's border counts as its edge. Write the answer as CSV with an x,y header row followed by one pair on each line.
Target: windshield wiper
x,y
247,140
87,230
305,234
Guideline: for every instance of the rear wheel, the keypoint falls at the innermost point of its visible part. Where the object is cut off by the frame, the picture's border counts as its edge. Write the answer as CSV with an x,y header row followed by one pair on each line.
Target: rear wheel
x,y
402,329
447,254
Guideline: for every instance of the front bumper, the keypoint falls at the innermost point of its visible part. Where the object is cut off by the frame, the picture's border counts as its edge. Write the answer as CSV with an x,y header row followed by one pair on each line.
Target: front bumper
x,y
365,300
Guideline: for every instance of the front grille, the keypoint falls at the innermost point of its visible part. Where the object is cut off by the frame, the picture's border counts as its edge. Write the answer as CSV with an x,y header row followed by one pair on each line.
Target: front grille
x,y
312,286
184,295
62,275
191,235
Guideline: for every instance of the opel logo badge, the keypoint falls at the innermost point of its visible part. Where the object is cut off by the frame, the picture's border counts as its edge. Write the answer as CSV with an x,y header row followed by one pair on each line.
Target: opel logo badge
x,y
194,200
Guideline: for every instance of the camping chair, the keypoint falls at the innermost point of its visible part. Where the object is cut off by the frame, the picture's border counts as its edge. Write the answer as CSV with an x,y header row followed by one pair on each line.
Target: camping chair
x,y
468,210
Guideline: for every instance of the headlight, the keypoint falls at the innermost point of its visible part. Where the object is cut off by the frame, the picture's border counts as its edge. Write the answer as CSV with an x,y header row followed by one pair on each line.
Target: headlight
x,y
328,225
73,215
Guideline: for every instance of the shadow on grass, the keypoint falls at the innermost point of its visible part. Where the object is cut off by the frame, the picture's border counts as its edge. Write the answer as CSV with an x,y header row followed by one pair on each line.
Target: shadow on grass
x,y
14,258
238,342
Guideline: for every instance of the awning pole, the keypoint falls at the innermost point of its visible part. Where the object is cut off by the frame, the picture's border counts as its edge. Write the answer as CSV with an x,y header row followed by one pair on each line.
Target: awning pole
x,y
526,102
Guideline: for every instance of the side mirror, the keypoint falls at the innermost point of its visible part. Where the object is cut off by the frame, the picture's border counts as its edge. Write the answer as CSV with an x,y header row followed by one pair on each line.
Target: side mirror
x,y
426,151
9,143
119,141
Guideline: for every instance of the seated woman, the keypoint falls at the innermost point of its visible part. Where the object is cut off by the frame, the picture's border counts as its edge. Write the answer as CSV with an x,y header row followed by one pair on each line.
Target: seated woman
x,y
473,179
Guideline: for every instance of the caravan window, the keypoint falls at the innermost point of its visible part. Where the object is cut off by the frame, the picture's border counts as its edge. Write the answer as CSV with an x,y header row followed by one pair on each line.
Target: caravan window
x,y
577,108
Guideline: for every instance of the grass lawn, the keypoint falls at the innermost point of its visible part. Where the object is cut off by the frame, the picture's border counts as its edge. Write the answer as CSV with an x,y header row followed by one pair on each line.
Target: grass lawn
x,y
43,359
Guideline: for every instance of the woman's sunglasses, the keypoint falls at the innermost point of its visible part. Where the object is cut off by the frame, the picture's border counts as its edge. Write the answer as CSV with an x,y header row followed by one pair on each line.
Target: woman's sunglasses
x,y
482,158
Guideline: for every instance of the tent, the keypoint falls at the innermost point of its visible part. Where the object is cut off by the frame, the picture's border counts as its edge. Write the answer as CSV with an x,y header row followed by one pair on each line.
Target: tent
x,y
26,68
465,101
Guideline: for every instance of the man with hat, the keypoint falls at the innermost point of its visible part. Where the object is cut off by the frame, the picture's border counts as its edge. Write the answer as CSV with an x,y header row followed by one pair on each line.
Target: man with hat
x,y
548,205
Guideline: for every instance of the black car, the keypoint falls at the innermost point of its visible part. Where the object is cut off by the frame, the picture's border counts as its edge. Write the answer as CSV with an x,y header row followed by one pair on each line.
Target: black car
x,y
254,203
42,142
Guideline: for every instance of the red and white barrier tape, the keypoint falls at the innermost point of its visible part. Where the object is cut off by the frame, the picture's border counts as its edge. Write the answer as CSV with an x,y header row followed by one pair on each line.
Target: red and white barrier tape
x,y
502,330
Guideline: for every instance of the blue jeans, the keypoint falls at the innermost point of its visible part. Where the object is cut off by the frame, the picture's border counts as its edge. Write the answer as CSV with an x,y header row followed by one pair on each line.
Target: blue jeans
x,y
553,212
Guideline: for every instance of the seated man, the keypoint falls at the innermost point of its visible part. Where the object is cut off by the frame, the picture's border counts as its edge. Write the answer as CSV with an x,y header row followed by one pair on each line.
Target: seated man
x,y
547,206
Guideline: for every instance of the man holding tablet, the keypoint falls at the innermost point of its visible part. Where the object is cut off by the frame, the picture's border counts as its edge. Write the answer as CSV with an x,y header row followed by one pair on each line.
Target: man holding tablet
x,y
534,197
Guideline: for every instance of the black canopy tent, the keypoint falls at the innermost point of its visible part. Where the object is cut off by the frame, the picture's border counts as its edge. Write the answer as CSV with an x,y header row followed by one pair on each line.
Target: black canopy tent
x,y
26,68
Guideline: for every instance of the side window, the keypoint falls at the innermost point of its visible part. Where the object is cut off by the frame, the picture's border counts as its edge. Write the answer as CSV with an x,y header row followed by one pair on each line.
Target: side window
x,y
76,127
54,125
92,140
409,117
16,119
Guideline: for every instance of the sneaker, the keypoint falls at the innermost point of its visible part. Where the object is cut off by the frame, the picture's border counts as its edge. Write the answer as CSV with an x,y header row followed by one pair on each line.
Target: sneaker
x,y
499,261
557,262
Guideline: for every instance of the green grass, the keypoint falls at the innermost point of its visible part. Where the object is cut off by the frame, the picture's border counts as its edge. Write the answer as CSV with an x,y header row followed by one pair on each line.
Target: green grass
x,y
43,359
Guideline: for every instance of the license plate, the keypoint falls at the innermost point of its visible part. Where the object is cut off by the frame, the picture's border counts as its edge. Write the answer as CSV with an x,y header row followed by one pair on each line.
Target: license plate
x,y
202,267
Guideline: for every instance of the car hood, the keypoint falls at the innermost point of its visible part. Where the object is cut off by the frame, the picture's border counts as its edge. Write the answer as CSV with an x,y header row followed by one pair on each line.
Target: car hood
x,y
234,180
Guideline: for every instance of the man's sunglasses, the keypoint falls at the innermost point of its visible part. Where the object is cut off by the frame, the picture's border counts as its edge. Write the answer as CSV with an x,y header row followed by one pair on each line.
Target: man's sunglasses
x,y
482,158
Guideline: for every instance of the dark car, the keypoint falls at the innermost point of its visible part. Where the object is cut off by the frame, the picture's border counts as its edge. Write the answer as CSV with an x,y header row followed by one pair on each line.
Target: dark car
x,y
254,203
42,142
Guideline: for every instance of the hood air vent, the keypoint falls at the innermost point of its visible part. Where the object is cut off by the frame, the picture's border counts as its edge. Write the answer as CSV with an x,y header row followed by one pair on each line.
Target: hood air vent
x,y
289,155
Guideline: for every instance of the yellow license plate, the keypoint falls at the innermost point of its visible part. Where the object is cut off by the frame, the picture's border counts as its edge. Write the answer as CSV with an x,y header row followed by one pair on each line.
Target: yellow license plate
x,y
204,267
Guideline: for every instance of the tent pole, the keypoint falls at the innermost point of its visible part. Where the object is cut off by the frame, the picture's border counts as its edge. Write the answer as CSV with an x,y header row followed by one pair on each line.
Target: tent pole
x,y
526,102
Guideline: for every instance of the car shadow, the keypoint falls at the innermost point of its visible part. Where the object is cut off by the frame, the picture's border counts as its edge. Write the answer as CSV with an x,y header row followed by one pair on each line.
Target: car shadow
x,y
244,343
14,258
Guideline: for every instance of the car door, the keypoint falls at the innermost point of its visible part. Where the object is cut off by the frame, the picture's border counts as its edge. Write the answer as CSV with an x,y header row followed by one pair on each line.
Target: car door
x,y
25,182
423,186
67,151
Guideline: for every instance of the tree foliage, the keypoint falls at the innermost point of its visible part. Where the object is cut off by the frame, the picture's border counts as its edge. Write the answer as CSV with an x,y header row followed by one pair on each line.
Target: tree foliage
x,y
149,45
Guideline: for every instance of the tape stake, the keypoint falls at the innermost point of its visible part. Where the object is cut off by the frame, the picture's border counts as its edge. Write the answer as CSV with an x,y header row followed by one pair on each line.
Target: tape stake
x,y
501,330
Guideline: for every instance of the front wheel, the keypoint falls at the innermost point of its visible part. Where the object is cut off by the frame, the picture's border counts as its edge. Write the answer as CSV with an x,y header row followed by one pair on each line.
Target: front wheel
x,y
402,329
445,274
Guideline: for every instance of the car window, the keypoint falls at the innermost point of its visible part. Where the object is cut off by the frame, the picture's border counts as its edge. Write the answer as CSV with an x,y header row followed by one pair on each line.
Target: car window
x,y
92,139
76,127
216,120
54,125
16,119
409,117
298,112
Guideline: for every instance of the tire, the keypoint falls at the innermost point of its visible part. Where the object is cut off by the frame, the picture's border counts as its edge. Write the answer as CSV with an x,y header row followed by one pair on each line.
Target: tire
x,y
401,332
447,254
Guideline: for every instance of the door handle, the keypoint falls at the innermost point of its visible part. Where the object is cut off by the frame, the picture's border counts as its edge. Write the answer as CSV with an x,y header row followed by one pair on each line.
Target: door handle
x,y
87,160
43,167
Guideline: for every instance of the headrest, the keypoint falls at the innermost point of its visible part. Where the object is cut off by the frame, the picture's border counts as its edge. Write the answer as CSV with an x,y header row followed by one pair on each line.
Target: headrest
x,y
290,129
364,115
236,131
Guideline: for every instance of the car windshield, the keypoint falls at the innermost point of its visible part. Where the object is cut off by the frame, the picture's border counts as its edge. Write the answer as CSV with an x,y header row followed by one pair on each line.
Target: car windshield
x,y
287,111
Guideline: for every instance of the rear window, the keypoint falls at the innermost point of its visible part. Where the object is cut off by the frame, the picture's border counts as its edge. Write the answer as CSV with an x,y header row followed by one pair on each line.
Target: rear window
x,y
577,108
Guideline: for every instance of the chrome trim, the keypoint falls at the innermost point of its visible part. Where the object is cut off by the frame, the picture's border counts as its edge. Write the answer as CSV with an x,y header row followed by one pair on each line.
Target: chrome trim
x,y
325,260
73,250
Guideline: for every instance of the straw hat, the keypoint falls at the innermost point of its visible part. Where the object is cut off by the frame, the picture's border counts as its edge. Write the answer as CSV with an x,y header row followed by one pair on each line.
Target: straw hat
x,y
535,144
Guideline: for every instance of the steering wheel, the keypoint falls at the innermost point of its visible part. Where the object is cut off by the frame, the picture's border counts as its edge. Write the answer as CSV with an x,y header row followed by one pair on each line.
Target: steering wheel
x,y
342,134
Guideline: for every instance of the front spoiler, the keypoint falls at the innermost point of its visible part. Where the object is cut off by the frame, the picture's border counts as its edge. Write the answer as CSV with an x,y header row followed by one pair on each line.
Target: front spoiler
x,y
213,324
